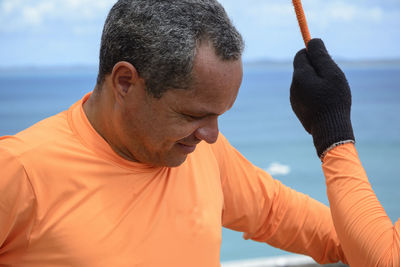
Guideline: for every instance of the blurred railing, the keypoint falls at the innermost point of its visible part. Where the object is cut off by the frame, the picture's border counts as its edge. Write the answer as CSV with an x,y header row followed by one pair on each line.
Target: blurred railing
x,y
284,261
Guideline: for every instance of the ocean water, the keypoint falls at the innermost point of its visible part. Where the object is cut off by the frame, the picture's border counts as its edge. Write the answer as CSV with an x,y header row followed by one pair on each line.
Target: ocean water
x,y
261,125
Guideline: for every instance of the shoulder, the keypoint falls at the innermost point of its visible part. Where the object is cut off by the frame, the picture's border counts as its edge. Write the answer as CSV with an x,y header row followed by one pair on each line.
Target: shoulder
x,y
14,182
215,150
226,154
17,201
221,145
210,153
37,136
224,151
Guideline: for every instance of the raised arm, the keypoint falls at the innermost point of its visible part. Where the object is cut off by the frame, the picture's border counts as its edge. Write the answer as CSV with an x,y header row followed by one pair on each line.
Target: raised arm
x,y
366,233
321,99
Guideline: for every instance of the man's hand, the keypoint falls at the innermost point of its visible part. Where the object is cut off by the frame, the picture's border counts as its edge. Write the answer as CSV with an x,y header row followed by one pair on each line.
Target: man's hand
x,y
320,97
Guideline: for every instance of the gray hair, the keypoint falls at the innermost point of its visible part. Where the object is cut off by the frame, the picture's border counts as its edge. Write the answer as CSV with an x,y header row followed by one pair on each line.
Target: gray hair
x,y
160,38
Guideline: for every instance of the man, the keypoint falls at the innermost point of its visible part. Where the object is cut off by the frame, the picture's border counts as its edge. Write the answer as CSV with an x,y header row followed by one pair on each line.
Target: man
x,y
136,173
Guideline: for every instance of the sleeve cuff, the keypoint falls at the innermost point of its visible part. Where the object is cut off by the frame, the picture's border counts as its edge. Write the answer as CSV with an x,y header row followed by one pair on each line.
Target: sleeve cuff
x,y
333,146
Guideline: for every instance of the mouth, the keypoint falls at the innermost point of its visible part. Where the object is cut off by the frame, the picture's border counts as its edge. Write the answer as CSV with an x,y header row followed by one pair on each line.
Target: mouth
x,y
186,149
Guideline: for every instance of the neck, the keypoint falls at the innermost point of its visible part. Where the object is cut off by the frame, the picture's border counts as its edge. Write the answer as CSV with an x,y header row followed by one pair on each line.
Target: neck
x,y
93,109
99,111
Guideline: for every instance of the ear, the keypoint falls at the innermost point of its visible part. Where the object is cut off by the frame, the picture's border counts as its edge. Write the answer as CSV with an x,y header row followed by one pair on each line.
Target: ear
x,y
125,78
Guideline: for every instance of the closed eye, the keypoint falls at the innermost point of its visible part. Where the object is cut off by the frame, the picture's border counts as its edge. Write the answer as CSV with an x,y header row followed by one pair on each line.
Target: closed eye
x,y
196,116
193,117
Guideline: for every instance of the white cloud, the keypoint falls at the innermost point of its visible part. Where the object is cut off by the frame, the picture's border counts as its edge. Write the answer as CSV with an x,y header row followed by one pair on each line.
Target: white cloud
x,y
350,12
73,3
34,15
281,13
341,11
376,13
267,13
8,6
17,15
269,27
259,12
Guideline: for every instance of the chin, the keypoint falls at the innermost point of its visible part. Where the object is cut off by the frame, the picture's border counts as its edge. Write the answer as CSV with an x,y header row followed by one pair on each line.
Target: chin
x,y
174,161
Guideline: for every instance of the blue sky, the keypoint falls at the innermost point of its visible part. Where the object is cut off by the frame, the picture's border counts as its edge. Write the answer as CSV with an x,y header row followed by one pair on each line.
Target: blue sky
x,y
67,32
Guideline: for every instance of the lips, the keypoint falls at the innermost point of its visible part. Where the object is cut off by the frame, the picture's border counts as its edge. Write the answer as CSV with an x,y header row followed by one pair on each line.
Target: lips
x,y
186,149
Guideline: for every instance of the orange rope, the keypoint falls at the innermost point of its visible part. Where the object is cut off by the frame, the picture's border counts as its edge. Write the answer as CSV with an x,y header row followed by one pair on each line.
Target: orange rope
x,y
301,18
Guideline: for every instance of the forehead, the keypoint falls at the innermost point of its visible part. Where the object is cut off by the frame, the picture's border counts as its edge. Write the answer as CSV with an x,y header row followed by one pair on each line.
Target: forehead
x,y
215,82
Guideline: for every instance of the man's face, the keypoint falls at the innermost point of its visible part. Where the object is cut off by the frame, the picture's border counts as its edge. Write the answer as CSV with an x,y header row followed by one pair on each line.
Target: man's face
x,y
162,132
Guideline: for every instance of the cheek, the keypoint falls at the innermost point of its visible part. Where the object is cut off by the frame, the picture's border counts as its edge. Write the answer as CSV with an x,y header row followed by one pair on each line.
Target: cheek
x,y
135,128
179,131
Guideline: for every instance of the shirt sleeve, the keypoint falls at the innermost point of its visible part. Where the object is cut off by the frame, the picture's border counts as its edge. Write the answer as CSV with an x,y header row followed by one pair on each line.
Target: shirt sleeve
x,y
268,211
16,206
367,235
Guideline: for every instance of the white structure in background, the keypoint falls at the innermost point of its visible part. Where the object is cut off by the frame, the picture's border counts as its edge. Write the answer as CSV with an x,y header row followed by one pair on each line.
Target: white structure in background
x,y
295,260
275,168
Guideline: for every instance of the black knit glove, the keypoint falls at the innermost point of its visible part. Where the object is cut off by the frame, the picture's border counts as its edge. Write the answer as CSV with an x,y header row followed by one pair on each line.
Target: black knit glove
x,y
320,96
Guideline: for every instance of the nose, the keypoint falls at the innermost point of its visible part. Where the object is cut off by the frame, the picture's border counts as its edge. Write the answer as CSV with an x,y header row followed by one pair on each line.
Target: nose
x,y
209,131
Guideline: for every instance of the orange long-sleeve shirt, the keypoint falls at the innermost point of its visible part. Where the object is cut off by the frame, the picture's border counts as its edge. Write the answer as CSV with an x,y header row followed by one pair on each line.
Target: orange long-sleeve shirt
x,y
366,233
67,199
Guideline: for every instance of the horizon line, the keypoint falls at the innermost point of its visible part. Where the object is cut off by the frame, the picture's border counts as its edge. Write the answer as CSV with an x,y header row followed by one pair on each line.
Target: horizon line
x,y
255,62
